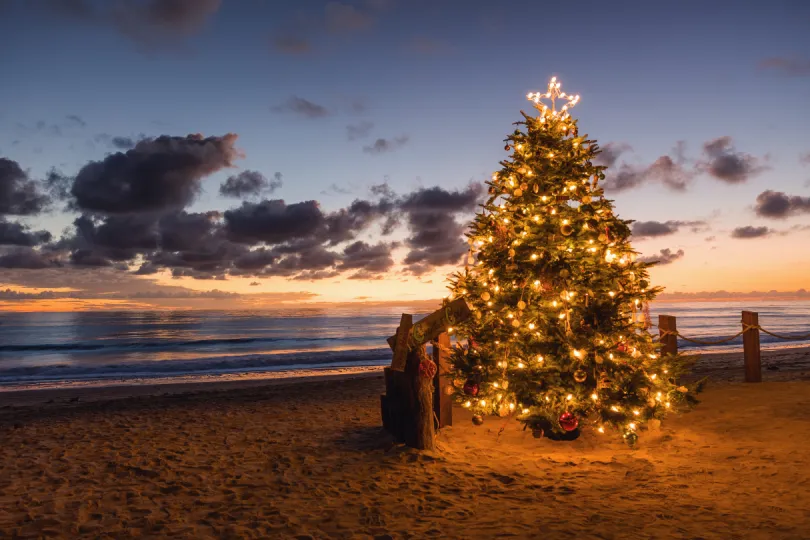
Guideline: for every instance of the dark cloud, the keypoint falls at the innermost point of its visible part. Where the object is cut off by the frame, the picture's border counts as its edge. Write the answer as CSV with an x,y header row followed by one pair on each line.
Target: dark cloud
x,y
777,204
665,256
8,294
359,131
804,158
381,146
652,229
791,66
610,153
249,183
254,283
750,232
302,107
726,164
274,221
17,234
19,195
27,258
670,171
335,189
435,234
369,259
77,120
119,142
157,174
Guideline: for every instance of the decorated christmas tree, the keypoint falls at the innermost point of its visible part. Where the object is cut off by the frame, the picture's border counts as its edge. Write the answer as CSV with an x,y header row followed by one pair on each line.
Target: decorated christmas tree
x,y
559,334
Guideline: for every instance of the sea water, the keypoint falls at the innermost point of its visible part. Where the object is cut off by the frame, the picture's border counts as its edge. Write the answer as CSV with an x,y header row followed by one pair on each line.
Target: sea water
x,y
39,347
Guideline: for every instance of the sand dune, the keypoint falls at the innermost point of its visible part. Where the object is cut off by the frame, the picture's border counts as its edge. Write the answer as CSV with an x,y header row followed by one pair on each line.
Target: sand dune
x,y
310,460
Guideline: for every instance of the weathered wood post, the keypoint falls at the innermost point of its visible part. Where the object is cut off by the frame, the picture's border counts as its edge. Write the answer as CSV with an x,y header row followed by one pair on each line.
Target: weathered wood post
x,y
668,332
751,352
414,391
442,403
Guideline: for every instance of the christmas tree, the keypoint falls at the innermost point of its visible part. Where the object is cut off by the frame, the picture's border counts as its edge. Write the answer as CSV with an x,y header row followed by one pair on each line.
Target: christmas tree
x,y
559,335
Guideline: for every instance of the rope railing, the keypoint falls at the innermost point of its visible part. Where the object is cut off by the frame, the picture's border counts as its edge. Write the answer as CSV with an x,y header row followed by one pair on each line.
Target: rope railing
x,y
669,335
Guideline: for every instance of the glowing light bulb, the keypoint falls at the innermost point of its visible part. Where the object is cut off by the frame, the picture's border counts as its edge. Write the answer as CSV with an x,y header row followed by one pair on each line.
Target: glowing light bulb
x,y
525,411
569,397
631,425
614,408
636,412
468,404
601,429
521,365
482,403
511,406
531,326
594,397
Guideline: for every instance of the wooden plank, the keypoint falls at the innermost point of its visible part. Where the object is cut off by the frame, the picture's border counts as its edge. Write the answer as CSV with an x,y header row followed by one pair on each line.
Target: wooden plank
x,y
397,403
419,431
401,345
428,328
385,413
668,332
751,351
442,403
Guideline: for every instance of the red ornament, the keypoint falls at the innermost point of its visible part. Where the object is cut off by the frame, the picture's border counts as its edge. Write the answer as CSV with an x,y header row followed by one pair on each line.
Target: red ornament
x,y
473,343
471,388
568,421
427,368
621,347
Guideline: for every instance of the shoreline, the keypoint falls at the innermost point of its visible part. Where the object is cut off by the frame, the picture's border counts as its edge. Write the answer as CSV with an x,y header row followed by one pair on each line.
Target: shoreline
x,y
778,364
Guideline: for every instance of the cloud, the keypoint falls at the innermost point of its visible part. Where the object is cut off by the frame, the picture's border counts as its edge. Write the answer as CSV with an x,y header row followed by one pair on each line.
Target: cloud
x,y
118,142
77,120
249,183
157,174
254,283
382,146
435,233
369,259
18,234
610,153
359,131
750,232
273,221
19,195
804,158
652,229
23,257
779,205
671,172
665,256
302,107
790,66
724,163
8,294
335,189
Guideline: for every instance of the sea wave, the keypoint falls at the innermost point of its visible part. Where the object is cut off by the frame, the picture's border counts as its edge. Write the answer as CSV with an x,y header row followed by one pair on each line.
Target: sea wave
x,y
211,364
115,345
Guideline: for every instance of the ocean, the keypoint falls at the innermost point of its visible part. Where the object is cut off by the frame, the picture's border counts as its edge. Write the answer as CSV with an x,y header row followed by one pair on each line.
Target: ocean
x,y
38,348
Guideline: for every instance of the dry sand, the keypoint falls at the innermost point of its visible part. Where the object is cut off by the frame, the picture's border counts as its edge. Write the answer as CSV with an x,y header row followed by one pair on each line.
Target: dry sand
x,y
309,459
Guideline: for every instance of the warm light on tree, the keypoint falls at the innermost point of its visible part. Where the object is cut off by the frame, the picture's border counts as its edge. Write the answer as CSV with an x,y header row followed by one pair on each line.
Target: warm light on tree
x,y
558,336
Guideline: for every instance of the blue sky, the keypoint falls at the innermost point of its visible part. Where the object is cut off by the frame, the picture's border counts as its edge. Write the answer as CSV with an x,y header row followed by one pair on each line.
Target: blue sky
x,y
450,76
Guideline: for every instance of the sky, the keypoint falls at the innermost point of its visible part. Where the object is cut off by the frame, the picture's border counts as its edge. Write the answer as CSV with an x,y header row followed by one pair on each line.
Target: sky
x,y
251,153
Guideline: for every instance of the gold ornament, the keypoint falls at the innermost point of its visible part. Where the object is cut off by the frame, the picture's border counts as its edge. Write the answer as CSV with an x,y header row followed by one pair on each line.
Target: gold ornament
x,y
599,359
651,402
470,259
566,230
518,192
524,186
511,252
521,305
586,199
535,188
515,323
580,376
485,296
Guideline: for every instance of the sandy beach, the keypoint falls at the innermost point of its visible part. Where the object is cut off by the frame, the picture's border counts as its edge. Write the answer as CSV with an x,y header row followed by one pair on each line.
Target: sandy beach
x,y
308,459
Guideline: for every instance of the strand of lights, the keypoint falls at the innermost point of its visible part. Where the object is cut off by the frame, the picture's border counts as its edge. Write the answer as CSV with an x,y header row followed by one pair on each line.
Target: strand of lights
x,y
553,94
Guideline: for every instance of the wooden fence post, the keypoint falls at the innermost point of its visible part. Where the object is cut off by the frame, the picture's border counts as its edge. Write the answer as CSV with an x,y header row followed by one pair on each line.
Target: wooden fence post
x,y
668,332
753,362
442,403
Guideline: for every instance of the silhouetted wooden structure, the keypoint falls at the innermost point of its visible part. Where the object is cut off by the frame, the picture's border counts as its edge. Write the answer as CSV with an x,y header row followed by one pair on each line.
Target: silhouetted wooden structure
x,y
415,404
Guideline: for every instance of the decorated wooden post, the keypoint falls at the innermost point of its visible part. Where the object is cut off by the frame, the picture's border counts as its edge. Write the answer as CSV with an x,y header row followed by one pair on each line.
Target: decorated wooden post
x,y
414,392
668,331
751,352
